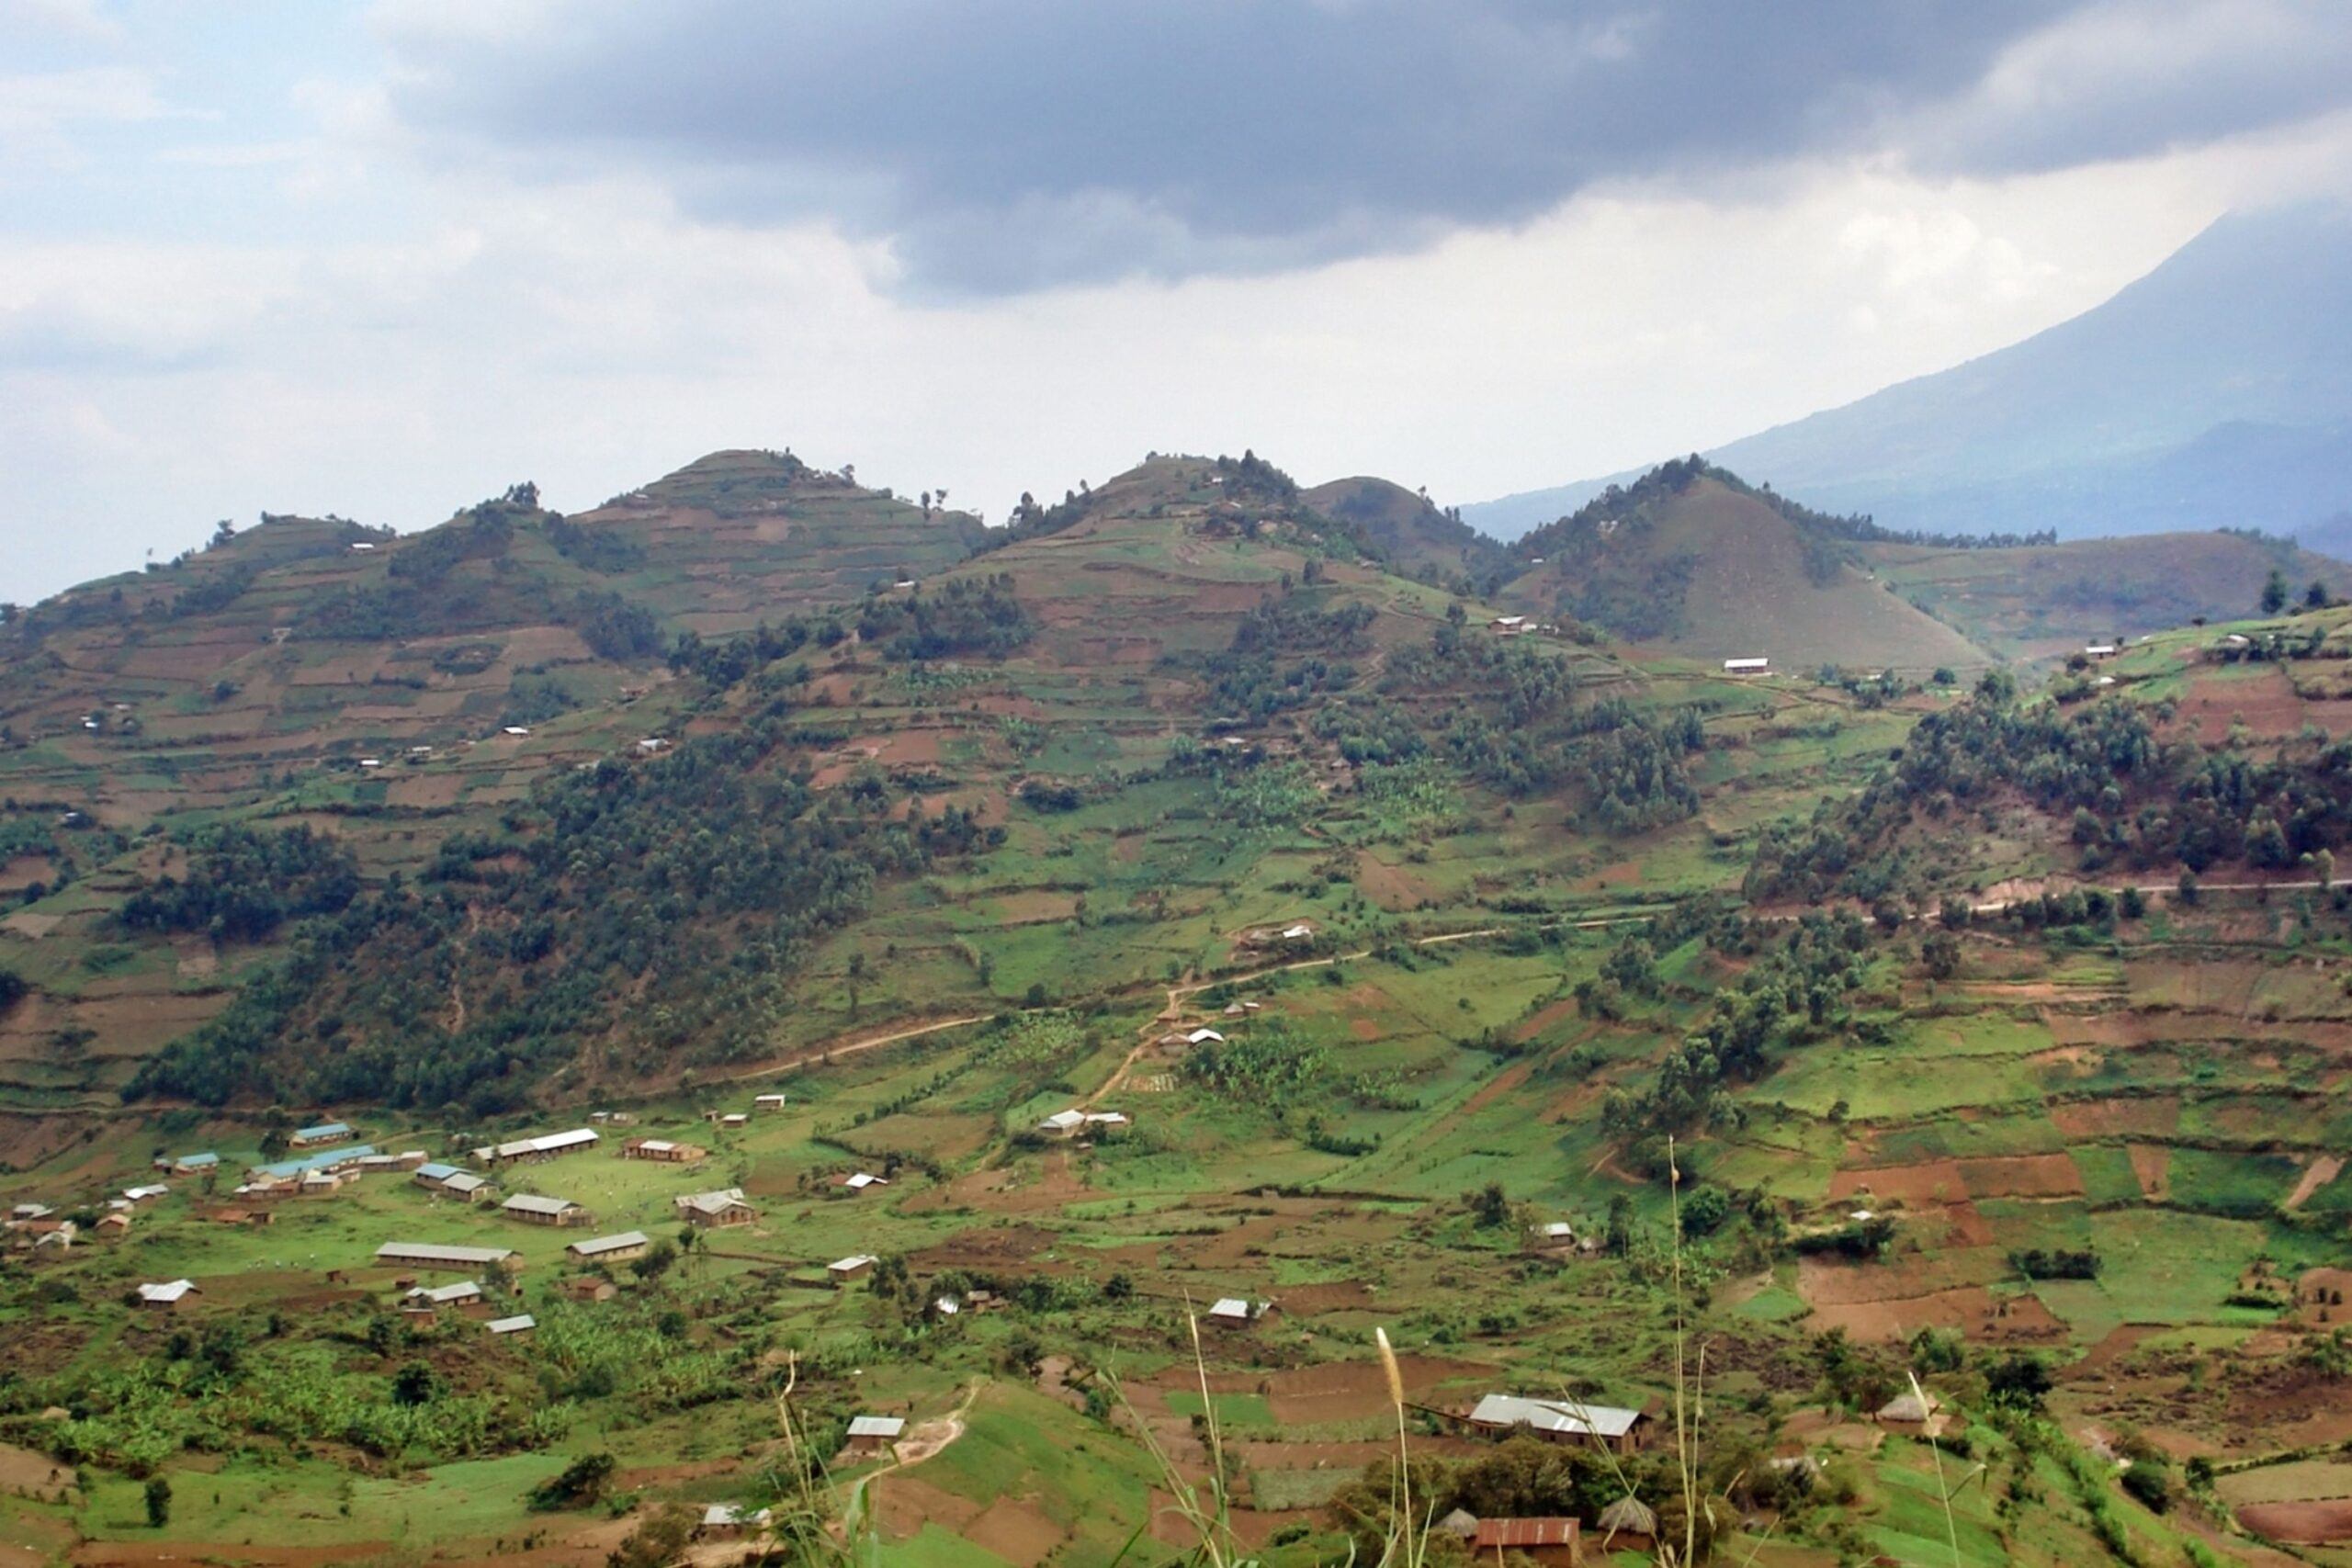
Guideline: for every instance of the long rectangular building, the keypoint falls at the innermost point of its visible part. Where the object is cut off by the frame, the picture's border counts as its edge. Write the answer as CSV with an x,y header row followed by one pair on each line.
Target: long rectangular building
x,y
432,1255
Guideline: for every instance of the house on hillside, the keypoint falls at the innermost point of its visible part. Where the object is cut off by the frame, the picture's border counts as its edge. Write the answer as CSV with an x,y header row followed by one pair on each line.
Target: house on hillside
x,y
146,1194
242,1217
1233,1312
47,1232
610,1248
1508,626
545,1146
428,1300
713,1211
1204,1035
665,1150
612,1118
503,1328
870,1437
190,1164
432,1255
467,1188
1627,1525
113,1225
858,1181
843,1270
1553,1237
1562,1421
168,1297
731,1521
1917,1415
768,1102
533,1209
587,1289
1746,666
325,1133
2099,650
1544,1541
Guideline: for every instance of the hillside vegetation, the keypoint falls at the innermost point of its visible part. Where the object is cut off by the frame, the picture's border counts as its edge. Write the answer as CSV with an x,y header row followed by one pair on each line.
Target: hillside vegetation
x,y
1913,1017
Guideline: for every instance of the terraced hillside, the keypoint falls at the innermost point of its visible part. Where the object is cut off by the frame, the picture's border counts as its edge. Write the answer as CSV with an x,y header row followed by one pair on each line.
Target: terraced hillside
x,y
738,538
2036,600
1848,1027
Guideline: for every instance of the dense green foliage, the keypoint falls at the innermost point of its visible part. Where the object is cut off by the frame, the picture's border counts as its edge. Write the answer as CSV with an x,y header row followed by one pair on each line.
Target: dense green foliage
x,y
1793,993
2132,799
970,617
243,883
690,885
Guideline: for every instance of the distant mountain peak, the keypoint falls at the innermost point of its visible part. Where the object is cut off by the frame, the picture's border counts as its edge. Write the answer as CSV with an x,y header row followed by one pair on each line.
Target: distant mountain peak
x,y
2214,391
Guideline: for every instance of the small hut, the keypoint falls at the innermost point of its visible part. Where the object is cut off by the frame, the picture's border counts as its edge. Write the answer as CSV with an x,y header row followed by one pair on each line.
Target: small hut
x,y
1627,1525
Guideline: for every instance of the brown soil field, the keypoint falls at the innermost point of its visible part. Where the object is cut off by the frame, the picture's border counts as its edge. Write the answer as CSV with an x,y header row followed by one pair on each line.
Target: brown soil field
x,y
2300,1524
425,790
2267,703
2157,1116
1970,1308
27,1474
1353,1391
2152,1163
1934,1181
2322,1169
1505,1082
2023,1176
1390,886
904,1504
2336,1281
1901,1276
1016,1531
16,873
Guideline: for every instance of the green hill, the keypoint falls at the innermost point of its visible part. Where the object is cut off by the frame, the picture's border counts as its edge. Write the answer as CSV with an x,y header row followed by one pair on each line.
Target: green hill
x,y
1408,529
740,536
1689,562
1379,939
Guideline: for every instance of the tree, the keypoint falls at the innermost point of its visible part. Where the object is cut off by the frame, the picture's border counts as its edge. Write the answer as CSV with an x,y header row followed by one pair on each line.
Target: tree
x,y
1489,1204
1997,687
581,1483
415,1383
1941,953
655,1260
158,1491
2188,887
2315,597
659,1541
2274,593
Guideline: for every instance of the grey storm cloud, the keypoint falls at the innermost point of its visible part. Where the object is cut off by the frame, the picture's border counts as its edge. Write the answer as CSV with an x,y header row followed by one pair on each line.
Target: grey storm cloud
x,y
1005,147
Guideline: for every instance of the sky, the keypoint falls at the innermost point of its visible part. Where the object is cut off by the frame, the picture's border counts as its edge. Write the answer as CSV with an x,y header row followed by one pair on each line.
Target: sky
x,y
384,260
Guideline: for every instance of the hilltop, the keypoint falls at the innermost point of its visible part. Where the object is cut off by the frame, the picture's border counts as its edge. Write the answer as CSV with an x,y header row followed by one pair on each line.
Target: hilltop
x,y
1410,529
1689,559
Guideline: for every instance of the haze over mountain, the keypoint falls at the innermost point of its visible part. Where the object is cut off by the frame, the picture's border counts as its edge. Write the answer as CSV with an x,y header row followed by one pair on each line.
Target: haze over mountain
x,y
2215,391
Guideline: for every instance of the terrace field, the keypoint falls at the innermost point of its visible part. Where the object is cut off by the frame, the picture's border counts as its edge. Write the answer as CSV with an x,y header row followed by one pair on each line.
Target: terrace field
x,y
1837,1071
